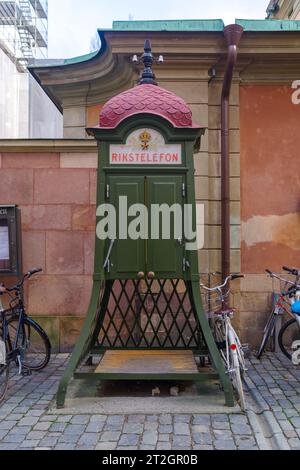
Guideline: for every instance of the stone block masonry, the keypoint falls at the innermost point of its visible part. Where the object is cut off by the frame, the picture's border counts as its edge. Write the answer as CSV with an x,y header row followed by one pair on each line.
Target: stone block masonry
x,y
56,192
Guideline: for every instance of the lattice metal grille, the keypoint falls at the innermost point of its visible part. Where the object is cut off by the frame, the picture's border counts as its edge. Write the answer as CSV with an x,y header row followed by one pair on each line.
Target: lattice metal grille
x,y
150,314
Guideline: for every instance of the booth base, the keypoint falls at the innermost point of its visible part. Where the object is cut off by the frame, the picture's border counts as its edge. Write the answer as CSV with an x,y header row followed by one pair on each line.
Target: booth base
x,y
92,360
147,365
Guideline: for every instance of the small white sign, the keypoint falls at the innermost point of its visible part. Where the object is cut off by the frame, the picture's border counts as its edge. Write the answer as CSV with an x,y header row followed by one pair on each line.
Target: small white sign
x,y
145,147
4,244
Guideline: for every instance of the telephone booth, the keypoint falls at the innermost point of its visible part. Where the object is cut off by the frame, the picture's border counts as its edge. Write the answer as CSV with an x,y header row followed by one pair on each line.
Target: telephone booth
x,y
145,319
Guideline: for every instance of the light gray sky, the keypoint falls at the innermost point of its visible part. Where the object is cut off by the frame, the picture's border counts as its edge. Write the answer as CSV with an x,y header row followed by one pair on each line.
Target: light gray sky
x,y
72,23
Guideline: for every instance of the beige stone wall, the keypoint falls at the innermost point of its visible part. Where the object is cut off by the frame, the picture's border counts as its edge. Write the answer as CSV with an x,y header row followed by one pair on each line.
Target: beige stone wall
x,y
288,10
204,99
75,122
214,177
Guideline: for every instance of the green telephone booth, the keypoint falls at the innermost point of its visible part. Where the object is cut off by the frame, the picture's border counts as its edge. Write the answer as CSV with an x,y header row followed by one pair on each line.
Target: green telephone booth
x,y
145,319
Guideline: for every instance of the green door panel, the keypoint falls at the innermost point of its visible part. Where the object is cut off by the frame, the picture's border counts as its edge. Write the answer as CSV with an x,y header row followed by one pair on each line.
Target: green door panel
x,y
165,254
128,256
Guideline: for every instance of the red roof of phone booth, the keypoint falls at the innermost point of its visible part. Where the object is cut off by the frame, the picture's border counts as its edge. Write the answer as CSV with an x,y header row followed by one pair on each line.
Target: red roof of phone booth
x,y
150,99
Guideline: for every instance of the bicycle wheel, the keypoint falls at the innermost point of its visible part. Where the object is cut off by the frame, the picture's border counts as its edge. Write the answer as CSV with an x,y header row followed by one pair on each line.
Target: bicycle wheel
x,y
4,378
267,334
289,333
33,343
237,381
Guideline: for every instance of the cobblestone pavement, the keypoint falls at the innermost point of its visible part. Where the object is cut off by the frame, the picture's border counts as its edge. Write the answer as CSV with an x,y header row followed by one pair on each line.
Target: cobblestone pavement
x,y
274,384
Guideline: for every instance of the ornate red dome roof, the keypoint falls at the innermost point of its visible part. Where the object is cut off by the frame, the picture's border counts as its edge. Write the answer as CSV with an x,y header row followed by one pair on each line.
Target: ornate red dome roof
x,y
146,98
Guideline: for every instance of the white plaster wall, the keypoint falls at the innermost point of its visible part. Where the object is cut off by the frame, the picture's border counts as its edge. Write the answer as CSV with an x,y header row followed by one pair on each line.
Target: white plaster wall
x,y
13,100
45,119
25,109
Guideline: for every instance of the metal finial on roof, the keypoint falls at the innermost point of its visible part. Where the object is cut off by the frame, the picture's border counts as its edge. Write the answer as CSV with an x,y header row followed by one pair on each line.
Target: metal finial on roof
x,y
147,77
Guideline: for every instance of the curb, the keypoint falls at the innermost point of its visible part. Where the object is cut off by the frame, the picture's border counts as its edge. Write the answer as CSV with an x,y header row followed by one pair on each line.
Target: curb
x,y
257,397
272,431
259,436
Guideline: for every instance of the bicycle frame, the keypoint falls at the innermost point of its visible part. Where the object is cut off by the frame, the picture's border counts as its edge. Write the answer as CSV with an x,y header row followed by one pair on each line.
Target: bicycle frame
x,y
224,331
285,306
282,303
234,344
14,352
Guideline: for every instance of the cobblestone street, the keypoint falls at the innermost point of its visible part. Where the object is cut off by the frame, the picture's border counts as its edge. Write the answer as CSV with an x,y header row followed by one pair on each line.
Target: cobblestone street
x,y
272,420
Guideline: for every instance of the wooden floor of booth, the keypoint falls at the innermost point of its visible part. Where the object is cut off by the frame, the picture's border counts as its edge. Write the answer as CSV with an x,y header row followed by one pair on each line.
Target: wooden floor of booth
x,y
147,362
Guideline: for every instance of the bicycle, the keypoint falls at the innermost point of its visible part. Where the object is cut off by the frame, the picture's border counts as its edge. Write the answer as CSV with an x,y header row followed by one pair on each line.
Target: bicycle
x,y
22,340
281,306
227,340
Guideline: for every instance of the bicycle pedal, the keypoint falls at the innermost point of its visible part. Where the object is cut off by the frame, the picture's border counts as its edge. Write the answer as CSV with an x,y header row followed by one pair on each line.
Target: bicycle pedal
x,y
26,372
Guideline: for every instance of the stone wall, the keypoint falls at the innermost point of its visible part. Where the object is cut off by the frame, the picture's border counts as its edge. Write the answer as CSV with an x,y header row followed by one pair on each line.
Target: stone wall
x,y
56,192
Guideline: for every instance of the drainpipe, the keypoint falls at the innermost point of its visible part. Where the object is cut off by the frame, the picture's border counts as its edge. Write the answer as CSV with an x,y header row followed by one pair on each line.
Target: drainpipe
x,y
233,34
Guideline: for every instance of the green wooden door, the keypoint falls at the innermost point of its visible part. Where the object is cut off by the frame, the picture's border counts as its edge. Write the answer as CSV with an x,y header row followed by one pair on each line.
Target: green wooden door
x,y
127,256
165,204
162,250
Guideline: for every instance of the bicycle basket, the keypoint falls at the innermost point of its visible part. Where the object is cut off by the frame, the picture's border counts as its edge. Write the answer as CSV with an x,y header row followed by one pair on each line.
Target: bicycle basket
x,y
211,301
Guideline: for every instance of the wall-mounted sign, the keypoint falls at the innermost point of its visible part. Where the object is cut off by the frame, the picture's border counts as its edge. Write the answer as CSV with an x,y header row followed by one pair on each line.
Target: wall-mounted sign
x,y
4,245
10,241
145,147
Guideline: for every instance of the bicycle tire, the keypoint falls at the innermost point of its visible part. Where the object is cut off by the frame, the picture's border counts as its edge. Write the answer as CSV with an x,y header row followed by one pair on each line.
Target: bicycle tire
x,y
283,334
239,383
4,379
30,359
267,334
236,366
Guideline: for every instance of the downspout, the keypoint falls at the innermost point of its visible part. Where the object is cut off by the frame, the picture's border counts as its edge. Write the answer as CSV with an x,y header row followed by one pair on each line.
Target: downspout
x,y
233,34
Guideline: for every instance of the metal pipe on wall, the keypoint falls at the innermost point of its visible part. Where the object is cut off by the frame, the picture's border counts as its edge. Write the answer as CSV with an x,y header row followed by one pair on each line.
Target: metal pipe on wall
x,y
233,34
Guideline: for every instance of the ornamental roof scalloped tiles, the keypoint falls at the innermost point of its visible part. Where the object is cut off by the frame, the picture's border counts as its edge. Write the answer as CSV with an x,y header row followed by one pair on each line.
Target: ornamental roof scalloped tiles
x,y
146,99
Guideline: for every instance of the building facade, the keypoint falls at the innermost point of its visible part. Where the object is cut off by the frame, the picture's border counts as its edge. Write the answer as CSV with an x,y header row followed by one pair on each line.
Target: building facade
x,y
24,28
25,109
54,181
284,10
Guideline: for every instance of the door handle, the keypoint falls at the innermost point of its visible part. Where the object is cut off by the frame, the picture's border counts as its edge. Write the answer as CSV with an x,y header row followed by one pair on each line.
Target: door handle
x,y
141,275
151,275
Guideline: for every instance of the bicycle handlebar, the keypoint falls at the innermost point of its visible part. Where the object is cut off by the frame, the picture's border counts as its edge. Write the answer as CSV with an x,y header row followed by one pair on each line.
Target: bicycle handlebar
x,y
294,287
20,284
232,277
237,276
292,271
271,274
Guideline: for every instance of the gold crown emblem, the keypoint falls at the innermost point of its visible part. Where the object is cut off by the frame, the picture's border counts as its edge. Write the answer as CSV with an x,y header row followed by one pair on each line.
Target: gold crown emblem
x,y
145,137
